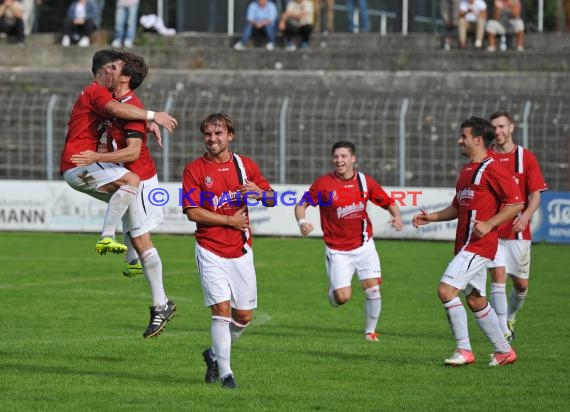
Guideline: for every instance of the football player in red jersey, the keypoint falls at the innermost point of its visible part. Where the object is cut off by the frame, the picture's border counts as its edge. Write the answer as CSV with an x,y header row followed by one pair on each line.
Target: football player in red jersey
x,y
342,196
513,254
216,187
104,181
486,196
130,140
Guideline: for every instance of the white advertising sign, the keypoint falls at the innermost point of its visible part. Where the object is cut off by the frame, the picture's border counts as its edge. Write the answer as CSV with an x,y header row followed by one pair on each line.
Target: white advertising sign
x,y
54,206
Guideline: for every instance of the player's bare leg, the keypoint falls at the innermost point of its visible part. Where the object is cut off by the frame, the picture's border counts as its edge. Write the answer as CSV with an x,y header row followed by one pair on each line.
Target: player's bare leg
x,y
125,191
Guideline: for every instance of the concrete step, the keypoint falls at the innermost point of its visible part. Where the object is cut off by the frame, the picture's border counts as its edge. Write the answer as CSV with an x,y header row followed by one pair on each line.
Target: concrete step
x,y
543,42
363,41
327,59
341,83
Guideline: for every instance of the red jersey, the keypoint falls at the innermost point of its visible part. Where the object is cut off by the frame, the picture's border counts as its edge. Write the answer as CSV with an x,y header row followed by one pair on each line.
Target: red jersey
x,y
84,123
344,220
215,187
521,163
144,166
481,190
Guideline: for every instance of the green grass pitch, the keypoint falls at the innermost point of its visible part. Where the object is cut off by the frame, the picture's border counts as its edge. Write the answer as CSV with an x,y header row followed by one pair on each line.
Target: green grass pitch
x,y
72,335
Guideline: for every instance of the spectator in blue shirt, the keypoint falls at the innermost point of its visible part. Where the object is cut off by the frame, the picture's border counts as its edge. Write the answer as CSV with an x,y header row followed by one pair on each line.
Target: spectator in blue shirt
x,y
261,17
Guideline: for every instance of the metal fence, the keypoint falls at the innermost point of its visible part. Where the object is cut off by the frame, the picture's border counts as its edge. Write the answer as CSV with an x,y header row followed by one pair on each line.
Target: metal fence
x,y
384,15
402,140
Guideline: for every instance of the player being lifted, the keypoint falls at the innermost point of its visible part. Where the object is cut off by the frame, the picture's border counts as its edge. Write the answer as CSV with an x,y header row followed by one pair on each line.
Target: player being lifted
x,y
108,182
129,137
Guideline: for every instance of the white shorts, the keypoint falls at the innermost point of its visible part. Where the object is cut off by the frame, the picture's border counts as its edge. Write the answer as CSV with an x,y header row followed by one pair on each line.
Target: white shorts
x,y
341,265
467,271
227,279
496,27
514,255
142,216
88,179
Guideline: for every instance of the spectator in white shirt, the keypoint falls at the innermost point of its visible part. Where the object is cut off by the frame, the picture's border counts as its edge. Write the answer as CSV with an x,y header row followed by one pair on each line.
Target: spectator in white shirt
x,y
472,18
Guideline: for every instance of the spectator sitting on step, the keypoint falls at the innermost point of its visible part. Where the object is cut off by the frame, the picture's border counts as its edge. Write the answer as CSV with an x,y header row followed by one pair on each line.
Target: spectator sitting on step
x,y
506,20
11,21
297,19
472,18
80,23
261,17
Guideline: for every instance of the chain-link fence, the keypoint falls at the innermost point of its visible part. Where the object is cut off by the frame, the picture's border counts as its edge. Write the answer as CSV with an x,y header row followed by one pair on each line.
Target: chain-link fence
x,y
405,140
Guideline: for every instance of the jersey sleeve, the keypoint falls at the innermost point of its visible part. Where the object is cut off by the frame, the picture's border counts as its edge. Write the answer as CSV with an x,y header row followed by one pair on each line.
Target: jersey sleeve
x,y
316,194
377,195
138,126
99,98
254,175
190,188
534,180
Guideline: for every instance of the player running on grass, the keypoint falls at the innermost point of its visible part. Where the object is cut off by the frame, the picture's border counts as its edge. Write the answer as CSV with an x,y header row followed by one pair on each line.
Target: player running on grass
x,y
215,187
342,196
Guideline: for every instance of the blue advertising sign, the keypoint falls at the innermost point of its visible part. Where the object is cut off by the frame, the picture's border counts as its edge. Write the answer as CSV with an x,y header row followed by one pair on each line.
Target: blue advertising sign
x,y
551,223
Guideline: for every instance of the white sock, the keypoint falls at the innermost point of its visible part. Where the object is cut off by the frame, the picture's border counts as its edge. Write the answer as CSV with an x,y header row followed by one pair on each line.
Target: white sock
x,y
457,318
236,329
152,268
489,324
222,343
516,301
372,308
498,300
131,256
118,204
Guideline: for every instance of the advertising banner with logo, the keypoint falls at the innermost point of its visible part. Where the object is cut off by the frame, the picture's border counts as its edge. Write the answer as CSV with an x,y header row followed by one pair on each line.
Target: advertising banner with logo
x,y
54,206
551,223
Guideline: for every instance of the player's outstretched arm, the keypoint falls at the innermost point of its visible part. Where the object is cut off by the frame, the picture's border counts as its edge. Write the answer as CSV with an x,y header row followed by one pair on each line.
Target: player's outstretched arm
x,y
396,218
423,218
129,112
